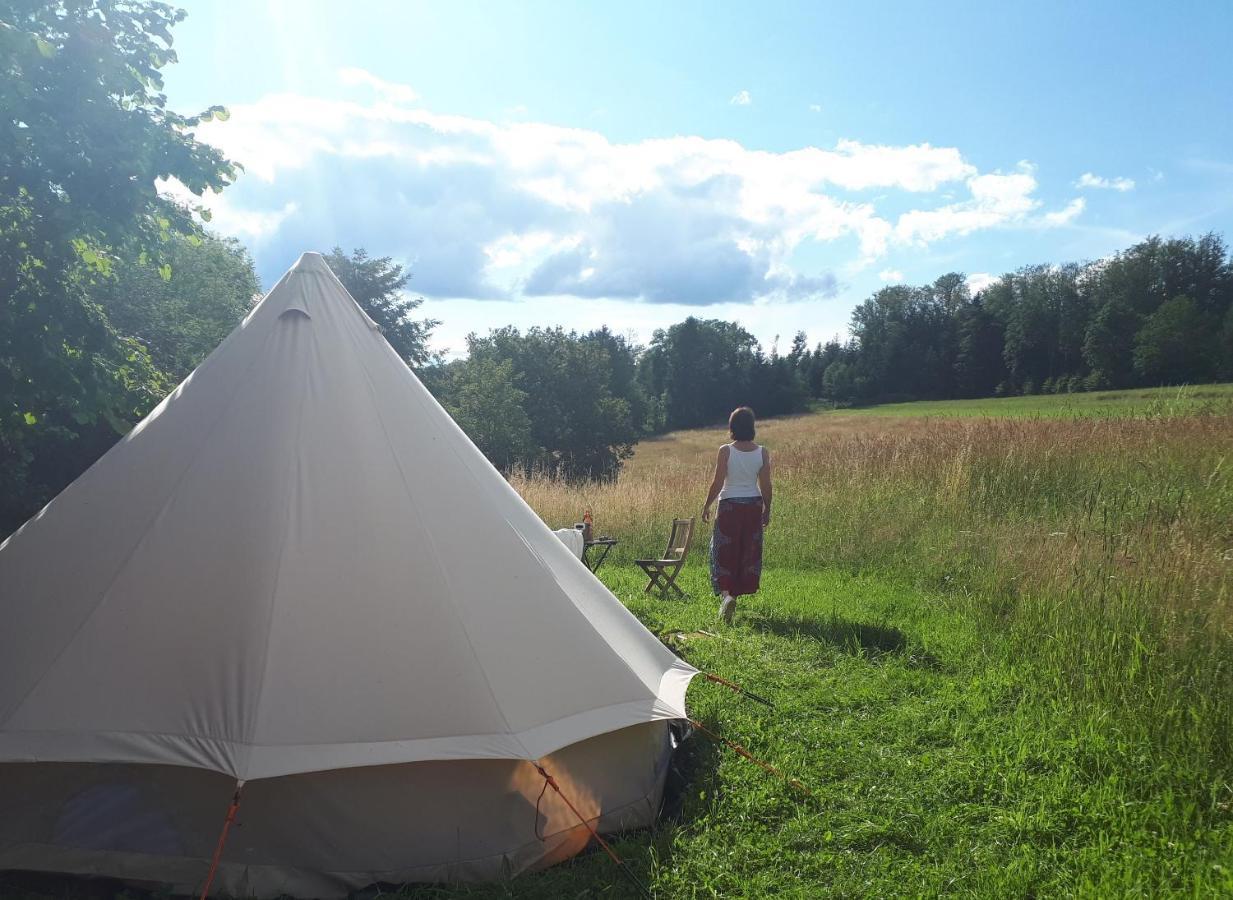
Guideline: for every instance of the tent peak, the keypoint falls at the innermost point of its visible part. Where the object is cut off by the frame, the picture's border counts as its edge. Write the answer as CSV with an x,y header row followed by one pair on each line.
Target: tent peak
x,y
310,262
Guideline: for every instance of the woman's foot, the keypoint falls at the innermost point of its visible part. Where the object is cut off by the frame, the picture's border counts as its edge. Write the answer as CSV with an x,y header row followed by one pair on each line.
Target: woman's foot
x,y
727,609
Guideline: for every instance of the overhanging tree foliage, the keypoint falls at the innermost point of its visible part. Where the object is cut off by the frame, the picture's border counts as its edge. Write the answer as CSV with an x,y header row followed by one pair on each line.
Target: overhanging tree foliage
x,y
181,313
85,138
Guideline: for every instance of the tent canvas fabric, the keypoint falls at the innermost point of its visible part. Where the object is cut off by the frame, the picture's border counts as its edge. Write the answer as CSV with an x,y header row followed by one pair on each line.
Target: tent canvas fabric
x,y
326,834
298,567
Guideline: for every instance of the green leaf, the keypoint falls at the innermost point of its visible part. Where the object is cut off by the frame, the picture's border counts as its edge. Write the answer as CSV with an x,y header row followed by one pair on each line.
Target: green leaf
x,y
31,419
164,272
45,48
218,113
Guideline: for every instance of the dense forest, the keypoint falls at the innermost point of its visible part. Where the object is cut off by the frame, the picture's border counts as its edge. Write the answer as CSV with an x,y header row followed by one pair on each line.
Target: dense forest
x,y
1160,312
112,291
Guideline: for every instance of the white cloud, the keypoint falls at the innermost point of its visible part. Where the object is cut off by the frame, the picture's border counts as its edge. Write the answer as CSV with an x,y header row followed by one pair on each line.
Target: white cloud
x,y
225,217
741,98
978,281
395,93
1098,182
512,250
252,224
891,276
1067,215
815,107
996,199
484,209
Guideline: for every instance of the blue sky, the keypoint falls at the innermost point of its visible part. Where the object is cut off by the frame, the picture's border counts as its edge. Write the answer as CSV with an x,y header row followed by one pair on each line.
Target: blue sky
x,y
774,163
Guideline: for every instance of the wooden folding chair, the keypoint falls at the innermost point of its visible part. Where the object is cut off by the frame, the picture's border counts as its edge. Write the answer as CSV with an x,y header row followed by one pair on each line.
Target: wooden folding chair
x,y
662,572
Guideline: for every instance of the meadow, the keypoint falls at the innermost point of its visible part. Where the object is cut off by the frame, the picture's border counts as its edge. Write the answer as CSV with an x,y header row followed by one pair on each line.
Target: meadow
x,y
998,637
1143,402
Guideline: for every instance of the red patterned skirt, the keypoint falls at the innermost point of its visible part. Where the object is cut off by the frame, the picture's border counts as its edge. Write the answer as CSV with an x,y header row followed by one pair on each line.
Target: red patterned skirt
x,y
736,546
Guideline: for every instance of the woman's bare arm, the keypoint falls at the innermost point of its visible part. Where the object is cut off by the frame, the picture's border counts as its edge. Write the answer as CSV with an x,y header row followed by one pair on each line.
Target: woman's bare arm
x,y
717,483
764,483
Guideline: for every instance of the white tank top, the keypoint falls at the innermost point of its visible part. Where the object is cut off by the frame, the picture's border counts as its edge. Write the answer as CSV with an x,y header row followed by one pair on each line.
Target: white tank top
x,y
743,469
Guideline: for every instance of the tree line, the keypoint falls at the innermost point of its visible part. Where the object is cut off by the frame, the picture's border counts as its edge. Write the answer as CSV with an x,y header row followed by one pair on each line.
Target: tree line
x,y
1157,313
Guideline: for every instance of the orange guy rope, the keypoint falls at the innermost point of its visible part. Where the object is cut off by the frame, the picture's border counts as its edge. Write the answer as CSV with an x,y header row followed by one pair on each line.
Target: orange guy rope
x,y
222,838
551,782
736,687
749,756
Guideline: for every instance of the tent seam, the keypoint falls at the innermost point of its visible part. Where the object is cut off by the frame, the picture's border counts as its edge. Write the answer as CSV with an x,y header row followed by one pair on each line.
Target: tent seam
x,y
282,554
436,550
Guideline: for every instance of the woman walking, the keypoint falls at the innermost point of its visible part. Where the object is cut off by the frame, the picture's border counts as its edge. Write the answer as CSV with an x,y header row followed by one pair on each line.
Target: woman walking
x,y
743,485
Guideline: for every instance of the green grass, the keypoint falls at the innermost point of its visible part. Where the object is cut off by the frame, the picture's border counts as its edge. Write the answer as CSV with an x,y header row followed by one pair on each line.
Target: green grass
x,y
1139,402
1043,705
939,765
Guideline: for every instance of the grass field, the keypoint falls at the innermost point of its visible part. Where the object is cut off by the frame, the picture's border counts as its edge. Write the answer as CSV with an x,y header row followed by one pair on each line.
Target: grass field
x,y
998,637
1206,398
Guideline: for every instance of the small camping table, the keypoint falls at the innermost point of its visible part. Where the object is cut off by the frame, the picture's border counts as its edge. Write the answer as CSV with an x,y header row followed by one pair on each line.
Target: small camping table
x,y
606,543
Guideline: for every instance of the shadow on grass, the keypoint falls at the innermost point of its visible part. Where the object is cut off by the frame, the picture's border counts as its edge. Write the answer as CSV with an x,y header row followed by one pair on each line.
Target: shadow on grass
x,y
693,782
873,642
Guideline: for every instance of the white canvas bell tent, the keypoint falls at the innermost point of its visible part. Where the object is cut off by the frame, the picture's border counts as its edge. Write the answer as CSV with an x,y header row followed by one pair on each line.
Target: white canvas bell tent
x,y
298,573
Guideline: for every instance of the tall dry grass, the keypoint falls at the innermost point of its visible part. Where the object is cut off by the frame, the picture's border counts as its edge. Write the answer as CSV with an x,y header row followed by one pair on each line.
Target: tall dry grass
x,y
1103,545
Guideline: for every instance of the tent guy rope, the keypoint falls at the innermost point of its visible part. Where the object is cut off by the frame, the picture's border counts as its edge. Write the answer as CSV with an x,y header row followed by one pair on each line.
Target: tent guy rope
x,y
737,688
629,873
741,751
222,838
